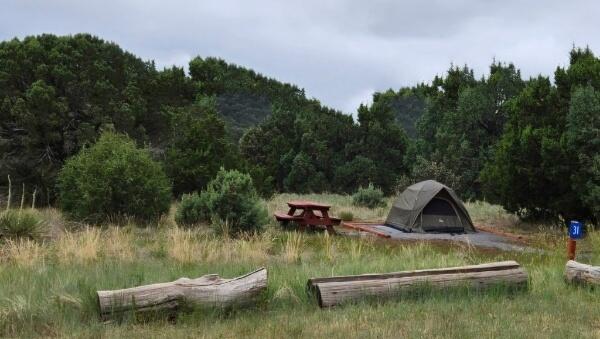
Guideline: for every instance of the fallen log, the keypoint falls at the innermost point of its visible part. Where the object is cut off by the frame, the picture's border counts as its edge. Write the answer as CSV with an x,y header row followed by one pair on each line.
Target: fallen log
x,y
337,290
208,290
581,273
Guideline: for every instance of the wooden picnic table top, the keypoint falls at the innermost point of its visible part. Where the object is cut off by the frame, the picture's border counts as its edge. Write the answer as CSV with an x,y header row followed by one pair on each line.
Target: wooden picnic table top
x,y
308,204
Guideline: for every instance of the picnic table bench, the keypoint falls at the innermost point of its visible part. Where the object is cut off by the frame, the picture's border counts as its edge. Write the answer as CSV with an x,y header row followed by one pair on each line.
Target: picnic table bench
x,y
310,214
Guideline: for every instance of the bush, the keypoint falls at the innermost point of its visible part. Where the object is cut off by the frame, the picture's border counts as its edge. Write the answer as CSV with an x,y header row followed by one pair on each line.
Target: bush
x,y
113,178
230,198
193,208
346,216
21,224
370,197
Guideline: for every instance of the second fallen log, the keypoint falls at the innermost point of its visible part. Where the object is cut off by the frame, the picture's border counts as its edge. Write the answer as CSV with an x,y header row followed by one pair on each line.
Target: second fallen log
x,y
208,290
581,273
337,290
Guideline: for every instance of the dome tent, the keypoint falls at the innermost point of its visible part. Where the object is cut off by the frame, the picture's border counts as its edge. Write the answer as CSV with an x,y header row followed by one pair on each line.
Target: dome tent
x,y
429,206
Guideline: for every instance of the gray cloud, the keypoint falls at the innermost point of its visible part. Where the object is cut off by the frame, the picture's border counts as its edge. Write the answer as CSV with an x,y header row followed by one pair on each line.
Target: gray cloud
x,y
339,51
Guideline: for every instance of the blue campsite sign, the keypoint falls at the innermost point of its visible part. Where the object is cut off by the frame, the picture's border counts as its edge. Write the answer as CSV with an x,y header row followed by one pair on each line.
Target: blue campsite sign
x,y
576,229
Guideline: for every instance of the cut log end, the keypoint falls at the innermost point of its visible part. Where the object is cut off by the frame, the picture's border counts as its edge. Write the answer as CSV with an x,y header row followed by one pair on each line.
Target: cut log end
x,y
579,273
209,290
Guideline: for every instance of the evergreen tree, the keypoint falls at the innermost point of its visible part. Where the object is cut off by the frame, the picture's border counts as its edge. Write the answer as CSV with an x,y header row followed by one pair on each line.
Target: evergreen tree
x,y
381,141
583,140
199,147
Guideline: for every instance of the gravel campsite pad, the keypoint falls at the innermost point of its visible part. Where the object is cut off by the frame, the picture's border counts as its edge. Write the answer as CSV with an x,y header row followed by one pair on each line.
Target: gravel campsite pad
x,y
480,239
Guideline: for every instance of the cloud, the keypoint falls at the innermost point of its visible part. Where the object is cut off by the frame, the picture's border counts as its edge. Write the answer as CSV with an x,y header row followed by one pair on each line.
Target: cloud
x,y
339,51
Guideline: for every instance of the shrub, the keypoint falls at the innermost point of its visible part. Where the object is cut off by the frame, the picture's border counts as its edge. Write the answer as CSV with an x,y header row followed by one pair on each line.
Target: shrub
x,y
192,209
229,198
346,216
21,224
370,197
113,178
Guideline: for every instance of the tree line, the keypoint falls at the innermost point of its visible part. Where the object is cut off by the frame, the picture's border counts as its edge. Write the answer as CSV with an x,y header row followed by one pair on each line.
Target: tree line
x,y
532,145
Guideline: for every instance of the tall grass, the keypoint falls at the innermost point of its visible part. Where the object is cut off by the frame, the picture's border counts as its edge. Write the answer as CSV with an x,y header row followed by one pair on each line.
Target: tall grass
x,y
292,250
23,252
48,289
118,243
487,214
80,247
190,246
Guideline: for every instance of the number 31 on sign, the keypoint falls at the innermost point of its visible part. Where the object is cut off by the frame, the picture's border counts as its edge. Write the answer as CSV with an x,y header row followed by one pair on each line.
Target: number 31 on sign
x,y
575,229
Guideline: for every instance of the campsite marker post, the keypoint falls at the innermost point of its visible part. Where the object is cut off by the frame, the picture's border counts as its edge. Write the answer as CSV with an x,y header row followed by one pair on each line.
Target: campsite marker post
x,y
575,233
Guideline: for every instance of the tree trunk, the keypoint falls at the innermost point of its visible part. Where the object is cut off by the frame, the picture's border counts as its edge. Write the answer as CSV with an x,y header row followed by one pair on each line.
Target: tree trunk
x,y
336,290
581,273
208,290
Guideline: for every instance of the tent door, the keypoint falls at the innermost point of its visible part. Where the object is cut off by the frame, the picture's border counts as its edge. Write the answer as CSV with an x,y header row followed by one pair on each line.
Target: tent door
x,y
439,215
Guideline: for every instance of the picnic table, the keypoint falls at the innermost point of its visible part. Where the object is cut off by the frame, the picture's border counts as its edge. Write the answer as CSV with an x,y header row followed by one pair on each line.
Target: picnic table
x,y
310,215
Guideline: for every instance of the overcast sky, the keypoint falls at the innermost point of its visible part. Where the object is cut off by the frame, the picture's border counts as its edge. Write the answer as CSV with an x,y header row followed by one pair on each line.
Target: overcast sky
x,y
339,51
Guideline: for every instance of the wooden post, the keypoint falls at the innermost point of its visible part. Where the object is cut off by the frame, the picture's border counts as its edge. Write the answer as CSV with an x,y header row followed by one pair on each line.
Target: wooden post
x,y
571,247
208,290
337,290
581,273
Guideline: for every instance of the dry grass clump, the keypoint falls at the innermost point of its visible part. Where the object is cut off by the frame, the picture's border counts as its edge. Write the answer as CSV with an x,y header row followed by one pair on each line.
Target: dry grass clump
x,y
87,245
23,252
487,214
357,247
188,246
81,246
181,245
118,243
293,247
252,248
329,246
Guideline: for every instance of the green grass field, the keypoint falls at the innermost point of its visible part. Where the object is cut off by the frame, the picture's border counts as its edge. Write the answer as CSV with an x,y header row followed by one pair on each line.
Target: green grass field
x,y
48,289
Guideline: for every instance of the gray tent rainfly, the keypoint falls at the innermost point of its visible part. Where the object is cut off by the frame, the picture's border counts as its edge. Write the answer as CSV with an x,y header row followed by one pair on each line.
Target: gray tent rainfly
x,y
429,206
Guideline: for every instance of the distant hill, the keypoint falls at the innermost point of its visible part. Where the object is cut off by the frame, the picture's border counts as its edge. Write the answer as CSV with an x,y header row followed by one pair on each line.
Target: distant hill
x,y
407,105
244,97
242,110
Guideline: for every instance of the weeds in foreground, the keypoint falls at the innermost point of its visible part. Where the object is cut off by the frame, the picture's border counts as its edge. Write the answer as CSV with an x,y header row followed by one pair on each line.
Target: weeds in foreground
x,y
17,314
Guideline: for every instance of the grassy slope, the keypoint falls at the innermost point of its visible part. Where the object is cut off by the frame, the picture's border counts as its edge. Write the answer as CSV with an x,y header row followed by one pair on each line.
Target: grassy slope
x,y
49,289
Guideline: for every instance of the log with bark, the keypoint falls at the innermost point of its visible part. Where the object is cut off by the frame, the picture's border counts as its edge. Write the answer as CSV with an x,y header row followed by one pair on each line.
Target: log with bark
x,y
336,290
581,273
208,290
